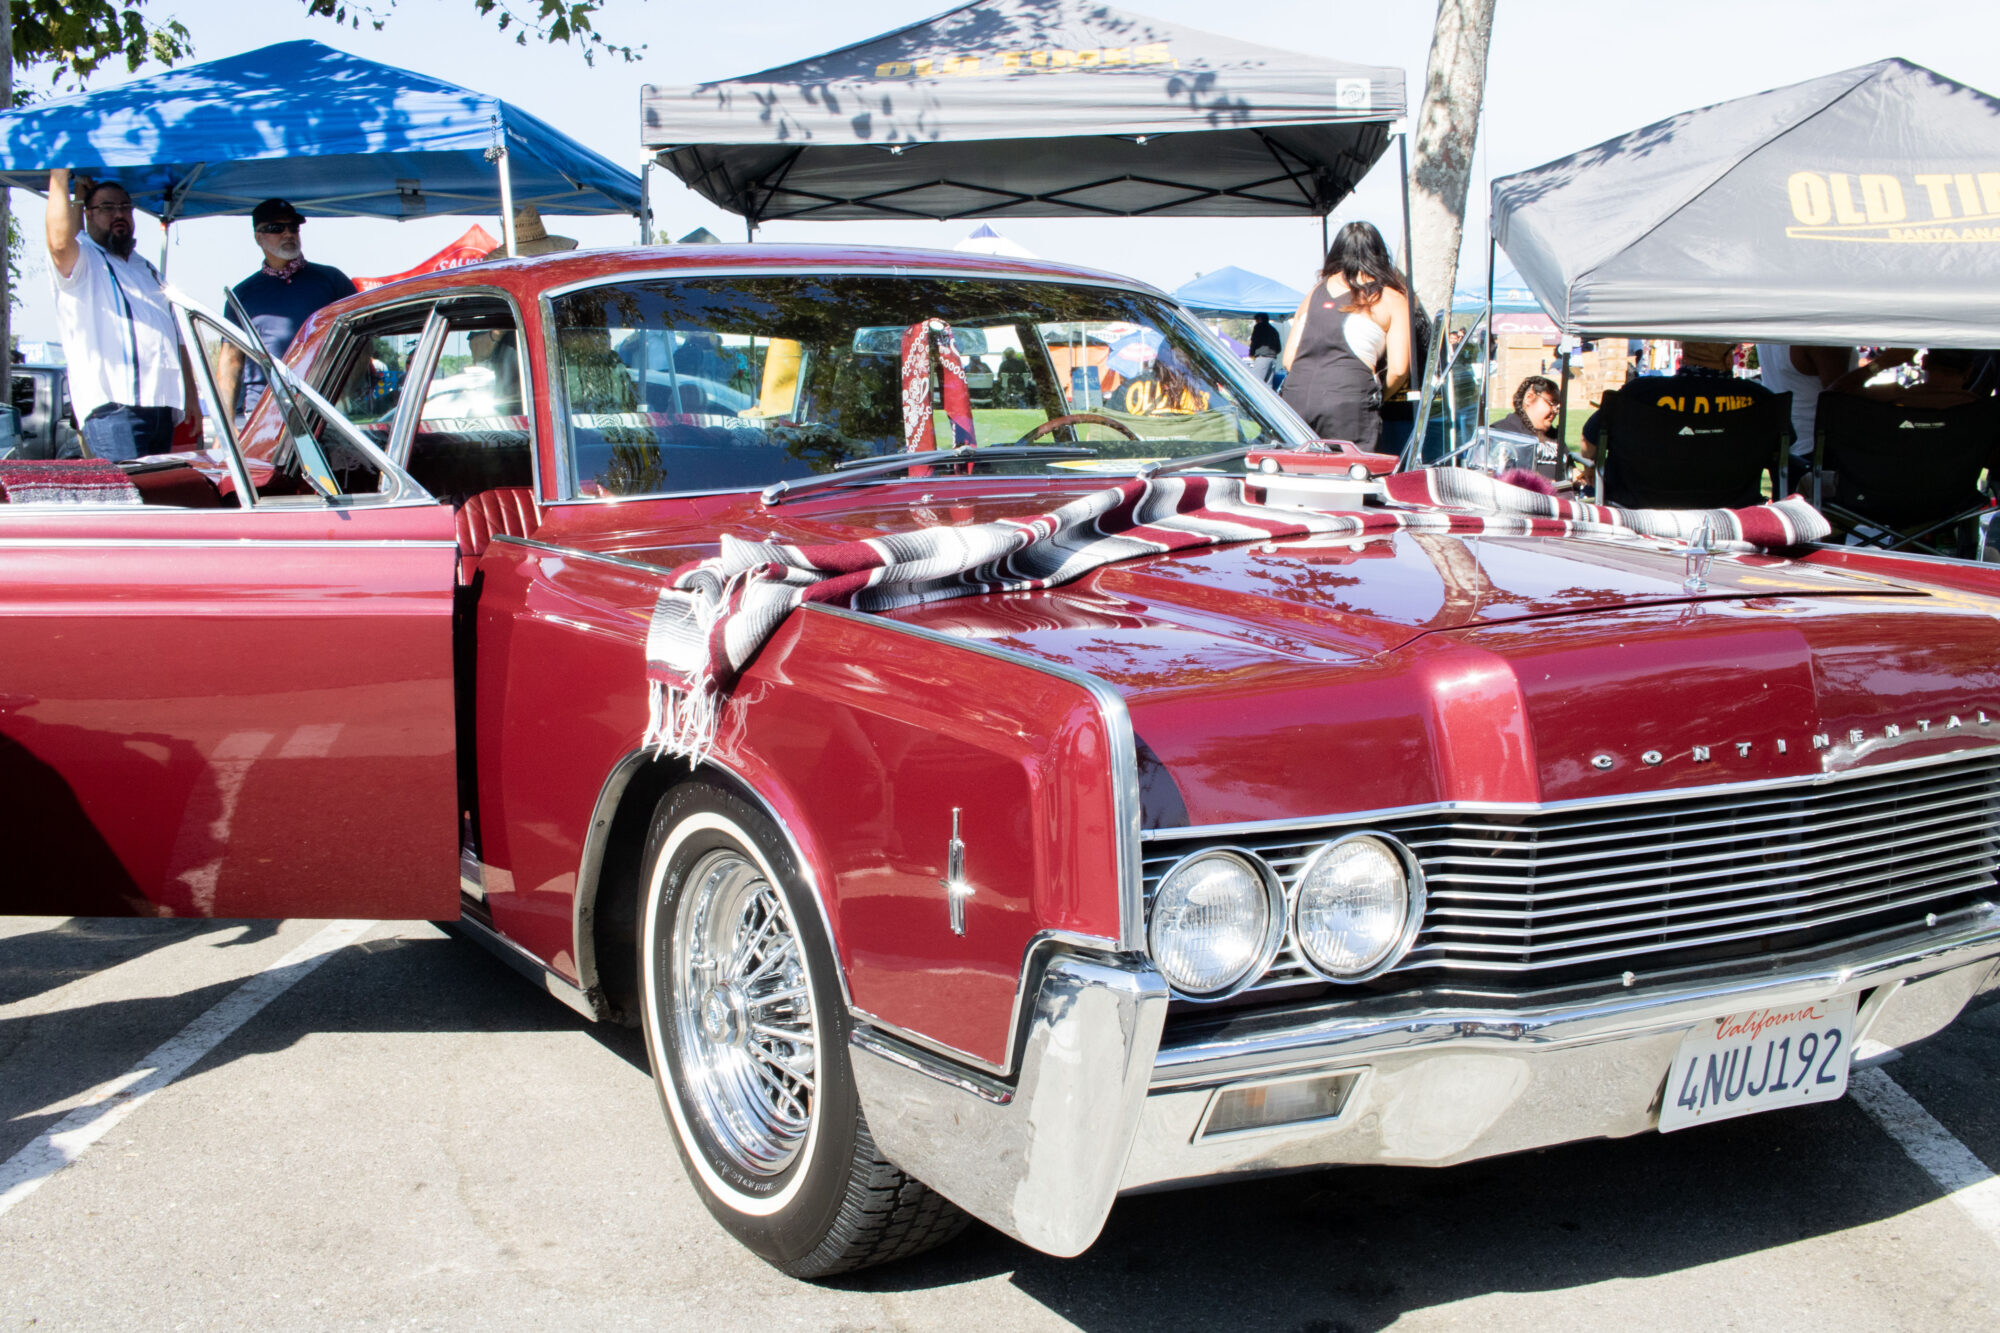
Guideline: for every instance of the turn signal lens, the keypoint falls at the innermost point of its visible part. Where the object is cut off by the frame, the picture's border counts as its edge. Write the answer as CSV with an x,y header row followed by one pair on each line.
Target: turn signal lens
x,y
1213,922
1356,913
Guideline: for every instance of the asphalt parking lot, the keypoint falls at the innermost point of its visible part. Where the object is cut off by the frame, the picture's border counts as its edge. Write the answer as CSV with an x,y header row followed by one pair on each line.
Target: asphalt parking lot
x,y
410,1137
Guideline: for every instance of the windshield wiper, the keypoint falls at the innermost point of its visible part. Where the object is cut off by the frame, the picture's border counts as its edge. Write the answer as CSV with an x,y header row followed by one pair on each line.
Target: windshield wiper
x,y
1199,460
863,468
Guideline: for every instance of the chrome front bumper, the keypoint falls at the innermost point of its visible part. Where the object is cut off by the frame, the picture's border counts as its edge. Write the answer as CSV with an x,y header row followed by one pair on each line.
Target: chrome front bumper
x,y
1100,1107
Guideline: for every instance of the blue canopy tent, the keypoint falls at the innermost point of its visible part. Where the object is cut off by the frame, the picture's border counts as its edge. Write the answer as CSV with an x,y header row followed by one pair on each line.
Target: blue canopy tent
x,y
336,135
1235,291
1510,293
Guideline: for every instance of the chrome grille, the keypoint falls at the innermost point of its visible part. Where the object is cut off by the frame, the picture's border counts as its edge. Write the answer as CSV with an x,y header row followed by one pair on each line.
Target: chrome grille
x,y
1583,891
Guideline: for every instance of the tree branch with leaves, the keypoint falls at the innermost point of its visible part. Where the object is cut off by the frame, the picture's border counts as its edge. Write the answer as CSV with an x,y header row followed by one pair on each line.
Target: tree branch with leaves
x,y
74,39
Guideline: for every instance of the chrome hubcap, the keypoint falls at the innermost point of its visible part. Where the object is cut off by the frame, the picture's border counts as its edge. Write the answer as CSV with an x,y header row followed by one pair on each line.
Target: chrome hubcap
x,y
743,1020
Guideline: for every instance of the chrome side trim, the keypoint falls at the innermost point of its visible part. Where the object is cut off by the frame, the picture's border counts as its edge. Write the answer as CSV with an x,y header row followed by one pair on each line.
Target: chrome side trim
x,y
1342,819
1123,758
186,543
590,862
1056,483
471,873
1041,1161
657,571
586,1002
590,866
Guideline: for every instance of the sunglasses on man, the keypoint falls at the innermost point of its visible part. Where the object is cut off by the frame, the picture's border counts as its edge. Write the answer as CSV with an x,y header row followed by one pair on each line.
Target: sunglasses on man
x,y
278,228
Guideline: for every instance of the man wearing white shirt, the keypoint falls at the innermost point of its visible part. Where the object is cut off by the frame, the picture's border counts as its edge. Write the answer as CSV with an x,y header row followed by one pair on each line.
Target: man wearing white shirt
x,y
125,366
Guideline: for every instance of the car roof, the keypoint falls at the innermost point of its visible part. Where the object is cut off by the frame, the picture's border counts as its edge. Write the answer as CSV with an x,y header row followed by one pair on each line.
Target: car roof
x,y
527,278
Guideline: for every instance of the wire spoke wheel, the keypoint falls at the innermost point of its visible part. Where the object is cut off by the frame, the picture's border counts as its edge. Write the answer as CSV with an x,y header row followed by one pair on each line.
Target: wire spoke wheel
x,y
743,1017
746,1030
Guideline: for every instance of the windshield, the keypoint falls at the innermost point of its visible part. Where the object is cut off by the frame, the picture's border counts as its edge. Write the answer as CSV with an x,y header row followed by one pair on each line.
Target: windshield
x,y
723,382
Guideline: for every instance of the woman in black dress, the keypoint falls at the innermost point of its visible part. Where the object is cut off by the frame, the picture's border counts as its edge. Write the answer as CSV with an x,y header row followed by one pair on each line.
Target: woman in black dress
x,y
1350,341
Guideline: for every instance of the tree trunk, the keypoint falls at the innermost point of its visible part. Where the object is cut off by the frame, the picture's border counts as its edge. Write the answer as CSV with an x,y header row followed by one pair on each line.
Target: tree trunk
x,y
1447,123
6,217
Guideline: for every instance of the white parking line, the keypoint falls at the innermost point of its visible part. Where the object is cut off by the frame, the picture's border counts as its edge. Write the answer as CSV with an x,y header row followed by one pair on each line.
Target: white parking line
x,y
1965,1179
69,1138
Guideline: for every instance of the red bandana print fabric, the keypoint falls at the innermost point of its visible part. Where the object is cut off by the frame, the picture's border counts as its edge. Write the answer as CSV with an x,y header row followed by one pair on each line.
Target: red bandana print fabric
x,y
706,628
65,481
919,429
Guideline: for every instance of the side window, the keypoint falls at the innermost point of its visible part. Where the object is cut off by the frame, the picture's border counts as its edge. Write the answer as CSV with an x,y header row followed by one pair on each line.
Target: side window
x,y
297,443
372,382
473,431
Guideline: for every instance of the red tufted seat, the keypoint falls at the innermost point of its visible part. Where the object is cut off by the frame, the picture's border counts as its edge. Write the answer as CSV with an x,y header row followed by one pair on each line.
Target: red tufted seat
x,y
505,511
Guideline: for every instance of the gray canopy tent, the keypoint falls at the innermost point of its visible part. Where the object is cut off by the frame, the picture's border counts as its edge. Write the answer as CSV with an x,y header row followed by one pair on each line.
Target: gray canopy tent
x,y
1862,207
1031,108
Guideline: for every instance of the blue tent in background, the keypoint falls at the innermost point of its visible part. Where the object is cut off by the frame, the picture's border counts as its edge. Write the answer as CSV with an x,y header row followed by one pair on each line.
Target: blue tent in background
x,y
1235,291
337,135
1510,294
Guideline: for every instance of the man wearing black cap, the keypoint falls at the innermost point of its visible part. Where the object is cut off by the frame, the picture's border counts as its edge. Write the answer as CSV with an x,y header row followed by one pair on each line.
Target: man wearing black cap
x,y
279,296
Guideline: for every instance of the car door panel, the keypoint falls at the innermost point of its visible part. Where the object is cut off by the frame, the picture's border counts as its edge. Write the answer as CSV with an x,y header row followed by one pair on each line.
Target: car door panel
x,y
222,713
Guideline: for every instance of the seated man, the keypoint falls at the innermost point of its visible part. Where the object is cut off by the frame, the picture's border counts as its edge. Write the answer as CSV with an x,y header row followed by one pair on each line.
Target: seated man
x,y
1908,457
1697,439
1944,383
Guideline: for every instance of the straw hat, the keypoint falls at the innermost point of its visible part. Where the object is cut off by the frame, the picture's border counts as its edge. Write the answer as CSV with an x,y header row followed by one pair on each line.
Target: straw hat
x,y
531,237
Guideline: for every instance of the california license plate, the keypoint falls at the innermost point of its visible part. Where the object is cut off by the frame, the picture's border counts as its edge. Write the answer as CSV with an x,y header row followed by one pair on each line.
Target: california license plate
x,y
1758,1060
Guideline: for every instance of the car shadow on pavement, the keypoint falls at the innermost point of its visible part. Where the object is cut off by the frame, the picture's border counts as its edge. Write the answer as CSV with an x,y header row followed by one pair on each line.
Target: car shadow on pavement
x,y
38,961
1353,1250
400,983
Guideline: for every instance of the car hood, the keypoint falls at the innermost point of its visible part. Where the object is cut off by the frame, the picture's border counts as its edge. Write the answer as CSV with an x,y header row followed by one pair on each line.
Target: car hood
x,y
1297,679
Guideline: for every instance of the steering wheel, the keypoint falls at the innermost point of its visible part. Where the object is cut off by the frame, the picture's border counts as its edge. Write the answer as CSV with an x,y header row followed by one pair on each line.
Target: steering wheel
x,y
1073,419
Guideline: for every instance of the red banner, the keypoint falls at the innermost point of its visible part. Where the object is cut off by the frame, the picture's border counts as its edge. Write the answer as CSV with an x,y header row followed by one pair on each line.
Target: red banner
x,y
467,249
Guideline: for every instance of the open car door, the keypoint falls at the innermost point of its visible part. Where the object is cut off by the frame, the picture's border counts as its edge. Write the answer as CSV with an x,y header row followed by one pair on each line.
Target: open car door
x,y
228,692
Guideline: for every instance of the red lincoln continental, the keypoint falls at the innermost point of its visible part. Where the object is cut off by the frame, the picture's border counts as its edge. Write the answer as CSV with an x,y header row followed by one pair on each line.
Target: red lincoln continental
x,y
1277,827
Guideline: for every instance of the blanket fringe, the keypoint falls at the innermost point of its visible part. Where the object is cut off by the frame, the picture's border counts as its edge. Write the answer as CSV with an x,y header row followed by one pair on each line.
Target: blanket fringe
x,y
681,723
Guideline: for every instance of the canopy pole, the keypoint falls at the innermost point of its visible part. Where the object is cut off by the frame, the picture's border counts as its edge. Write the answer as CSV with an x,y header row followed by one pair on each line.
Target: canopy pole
x,y
1409,249
170,211
497,155
646,202
1486,338
1562,398
1324,243
507,203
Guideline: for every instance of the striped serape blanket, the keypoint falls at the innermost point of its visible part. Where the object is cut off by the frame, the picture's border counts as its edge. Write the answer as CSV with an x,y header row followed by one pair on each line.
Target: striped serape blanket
x,y
65,481
1788,522
718,612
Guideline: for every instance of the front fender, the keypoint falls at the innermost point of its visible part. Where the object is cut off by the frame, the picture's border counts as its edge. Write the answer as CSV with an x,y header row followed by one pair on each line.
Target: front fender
x,y
863,737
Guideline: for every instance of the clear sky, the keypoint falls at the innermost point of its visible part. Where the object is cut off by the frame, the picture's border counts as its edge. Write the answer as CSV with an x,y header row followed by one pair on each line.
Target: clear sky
x,y
1562,75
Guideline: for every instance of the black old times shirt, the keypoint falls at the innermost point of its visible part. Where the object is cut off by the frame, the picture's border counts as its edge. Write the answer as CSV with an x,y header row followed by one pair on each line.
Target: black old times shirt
x,y
278,308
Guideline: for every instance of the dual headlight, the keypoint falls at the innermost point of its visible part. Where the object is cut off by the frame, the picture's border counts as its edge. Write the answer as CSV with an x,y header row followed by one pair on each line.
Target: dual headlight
x,y
1220,915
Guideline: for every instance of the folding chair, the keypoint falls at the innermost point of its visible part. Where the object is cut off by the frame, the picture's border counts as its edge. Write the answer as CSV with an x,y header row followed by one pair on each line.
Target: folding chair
x,y
1675,443
1905,477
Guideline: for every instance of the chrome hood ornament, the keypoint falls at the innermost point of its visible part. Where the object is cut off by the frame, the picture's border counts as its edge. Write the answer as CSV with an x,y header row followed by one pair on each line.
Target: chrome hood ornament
x,y
1701,555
